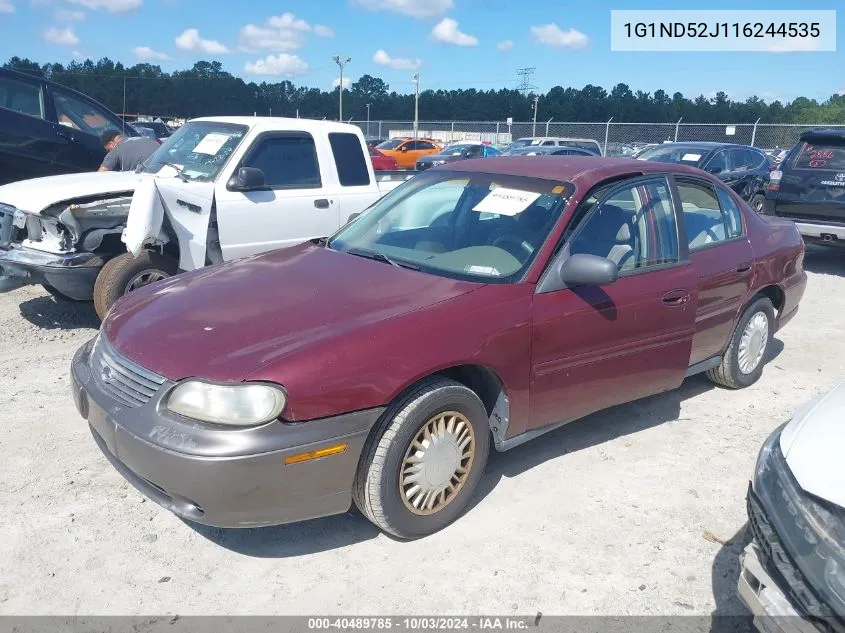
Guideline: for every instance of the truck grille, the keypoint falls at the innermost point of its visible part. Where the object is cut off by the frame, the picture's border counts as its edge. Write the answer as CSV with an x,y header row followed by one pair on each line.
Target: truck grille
x,y
126,382
7,214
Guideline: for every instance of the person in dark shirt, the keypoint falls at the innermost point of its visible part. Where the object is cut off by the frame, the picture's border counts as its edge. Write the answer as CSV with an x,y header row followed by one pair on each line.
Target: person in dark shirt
x,y
125,153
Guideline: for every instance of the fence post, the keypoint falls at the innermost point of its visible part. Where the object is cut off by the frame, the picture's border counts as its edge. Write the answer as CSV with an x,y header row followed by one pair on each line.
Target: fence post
x,y
452,133
606,135
497,132
547,126
754,132
677,127
379,130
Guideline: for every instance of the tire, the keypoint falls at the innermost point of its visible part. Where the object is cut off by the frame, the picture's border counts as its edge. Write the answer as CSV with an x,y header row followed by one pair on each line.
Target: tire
x,y
758,203
58,296
378,489
116,276
730,372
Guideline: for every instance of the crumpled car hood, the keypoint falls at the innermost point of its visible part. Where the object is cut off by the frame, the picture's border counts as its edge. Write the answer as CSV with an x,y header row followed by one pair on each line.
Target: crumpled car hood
x,y
813,444
37,194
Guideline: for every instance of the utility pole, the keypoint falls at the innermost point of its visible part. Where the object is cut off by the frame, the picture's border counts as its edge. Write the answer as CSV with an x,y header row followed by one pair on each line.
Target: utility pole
x,y
416,104
534,128
368,119
341,63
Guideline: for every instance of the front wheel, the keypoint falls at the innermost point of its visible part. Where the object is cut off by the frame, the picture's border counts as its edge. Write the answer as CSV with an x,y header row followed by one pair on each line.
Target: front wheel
x,y
423,462
126,273
742,364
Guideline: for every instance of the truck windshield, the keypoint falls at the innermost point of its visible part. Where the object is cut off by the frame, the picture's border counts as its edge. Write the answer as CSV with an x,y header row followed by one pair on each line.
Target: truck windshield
x,y
198,150
472,226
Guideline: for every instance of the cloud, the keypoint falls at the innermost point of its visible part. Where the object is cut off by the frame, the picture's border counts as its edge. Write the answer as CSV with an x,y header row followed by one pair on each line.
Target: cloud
x,y
112,6
383,59
66,15
282,65
55,35
795,45
148,54
552,35
6,7
505,45
321,30
79,56
414,8
190,40
447,32
279,33
346,83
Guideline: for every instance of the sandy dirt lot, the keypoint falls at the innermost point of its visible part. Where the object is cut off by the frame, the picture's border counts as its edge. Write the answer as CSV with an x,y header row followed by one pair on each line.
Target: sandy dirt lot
x,y
637,510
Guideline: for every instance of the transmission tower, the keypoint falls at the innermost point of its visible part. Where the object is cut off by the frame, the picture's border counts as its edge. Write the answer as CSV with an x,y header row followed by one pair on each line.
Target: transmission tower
x,y
526,76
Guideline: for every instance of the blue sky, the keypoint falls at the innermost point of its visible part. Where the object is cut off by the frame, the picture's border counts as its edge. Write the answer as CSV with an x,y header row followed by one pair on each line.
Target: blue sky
x,y
452,43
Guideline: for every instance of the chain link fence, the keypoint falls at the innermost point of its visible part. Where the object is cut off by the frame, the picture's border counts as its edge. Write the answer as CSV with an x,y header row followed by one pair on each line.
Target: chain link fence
x,y
616,138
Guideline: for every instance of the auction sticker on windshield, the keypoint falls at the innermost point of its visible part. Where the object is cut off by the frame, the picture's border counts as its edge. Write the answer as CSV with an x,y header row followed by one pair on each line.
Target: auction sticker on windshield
x,y
691,157
211,143
504,201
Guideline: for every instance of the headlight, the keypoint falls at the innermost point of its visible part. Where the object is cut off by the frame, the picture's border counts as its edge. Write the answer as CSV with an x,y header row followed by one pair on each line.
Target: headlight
x,y
230,405
811,531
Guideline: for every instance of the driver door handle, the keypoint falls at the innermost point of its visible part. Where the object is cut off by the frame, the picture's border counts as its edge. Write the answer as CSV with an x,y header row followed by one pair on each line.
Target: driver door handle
x,y
676,298
321,203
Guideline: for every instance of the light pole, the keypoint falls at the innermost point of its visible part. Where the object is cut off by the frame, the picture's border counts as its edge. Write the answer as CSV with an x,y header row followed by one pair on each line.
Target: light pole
x,y
534,128
368,119
416,104
341,63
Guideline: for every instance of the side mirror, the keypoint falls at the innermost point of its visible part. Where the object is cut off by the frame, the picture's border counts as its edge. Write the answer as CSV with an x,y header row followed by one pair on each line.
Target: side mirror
x,y
588,270
714,169
404,148
247,179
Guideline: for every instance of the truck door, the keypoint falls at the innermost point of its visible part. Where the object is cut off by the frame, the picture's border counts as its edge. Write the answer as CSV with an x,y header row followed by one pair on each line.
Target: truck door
x,y
298,202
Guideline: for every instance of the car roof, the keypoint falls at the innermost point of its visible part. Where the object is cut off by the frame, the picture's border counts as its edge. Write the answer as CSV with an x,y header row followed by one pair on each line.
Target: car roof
x,y
272,124
836,134
583,171
703,144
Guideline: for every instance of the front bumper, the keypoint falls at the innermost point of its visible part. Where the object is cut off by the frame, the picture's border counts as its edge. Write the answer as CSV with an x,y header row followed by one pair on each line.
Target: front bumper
x,y
222,477
72,275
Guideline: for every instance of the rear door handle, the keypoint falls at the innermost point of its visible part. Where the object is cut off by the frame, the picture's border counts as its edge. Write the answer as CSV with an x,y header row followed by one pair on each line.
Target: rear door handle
x,y
676,298
321,203
744,267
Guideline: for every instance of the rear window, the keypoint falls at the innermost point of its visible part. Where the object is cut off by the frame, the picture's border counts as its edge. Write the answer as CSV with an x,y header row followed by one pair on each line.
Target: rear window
x,y
822,156
349,160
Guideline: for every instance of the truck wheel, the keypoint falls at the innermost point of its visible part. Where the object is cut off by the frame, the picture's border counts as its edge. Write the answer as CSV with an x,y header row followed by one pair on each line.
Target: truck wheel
x,y
424,459
58,296
126,273
742,364
758,203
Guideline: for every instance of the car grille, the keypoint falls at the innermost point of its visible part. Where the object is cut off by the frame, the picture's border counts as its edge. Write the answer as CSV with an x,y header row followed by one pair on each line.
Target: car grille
x,y
791,580
126,382
7,214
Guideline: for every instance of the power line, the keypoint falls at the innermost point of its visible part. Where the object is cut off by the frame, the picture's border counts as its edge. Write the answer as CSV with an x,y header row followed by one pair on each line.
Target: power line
x,y
526,76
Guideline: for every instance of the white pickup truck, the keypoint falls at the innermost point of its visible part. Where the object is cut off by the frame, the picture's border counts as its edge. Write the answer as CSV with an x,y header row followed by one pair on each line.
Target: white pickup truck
x,y
218,189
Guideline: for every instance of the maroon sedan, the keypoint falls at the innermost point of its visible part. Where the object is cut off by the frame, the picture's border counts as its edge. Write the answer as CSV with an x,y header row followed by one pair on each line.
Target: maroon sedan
x,y
381,161
481,304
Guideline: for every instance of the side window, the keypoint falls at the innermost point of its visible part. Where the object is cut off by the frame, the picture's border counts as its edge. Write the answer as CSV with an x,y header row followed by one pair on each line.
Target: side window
x,y
287,161
476,150
547,143
22,97
424,145
703,217
718,162
81,115
349,160
733,216
410,146
739,159
634,227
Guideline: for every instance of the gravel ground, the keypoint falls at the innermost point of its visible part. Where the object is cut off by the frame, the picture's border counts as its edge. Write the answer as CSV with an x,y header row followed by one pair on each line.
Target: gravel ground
x,y
637,510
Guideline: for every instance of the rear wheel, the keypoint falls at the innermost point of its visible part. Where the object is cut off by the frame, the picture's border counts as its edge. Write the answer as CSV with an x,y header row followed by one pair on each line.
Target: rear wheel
x,y
126,273
742,364
423,462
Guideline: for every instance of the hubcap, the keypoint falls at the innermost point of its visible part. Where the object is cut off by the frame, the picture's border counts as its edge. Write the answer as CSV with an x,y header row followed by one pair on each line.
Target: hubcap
x,y
752,345
145,278
437,463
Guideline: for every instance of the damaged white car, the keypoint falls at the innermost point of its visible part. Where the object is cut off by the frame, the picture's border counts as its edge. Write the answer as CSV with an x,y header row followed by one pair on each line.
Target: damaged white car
x,y
218,189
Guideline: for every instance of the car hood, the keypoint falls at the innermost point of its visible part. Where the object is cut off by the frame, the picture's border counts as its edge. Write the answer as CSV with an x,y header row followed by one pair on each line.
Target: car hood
x,y
812,445
447,158
38,194
227,322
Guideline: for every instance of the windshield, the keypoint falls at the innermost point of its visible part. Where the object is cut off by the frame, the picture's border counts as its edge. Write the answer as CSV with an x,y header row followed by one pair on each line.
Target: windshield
x,y
199,149
391,144
671,153
590,146
455,150
472,226
522,142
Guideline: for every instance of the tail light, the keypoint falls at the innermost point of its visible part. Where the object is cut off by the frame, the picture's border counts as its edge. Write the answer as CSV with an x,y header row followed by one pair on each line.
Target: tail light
x,y
774,179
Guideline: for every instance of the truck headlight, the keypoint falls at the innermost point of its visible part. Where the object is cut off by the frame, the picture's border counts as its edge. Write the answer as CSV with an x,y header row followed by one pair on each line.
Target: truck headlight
x,y
249,404
811,530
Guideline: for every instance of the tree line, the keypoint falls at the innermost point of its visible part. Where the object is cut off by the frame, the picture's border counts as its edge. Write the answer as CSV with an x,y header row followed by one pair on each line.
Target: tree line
x,y
207,89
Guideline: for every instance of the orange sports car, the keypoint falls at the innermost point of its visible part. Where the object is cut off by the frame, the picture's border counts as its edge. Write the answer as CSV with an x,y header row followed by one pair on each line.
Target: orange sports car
x,y
407,151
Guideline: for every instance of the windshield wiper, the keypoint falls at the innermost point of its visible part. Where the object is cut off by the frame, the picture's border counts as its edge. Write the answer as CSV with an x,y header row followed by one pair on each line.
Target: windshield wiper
x,y
381,257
